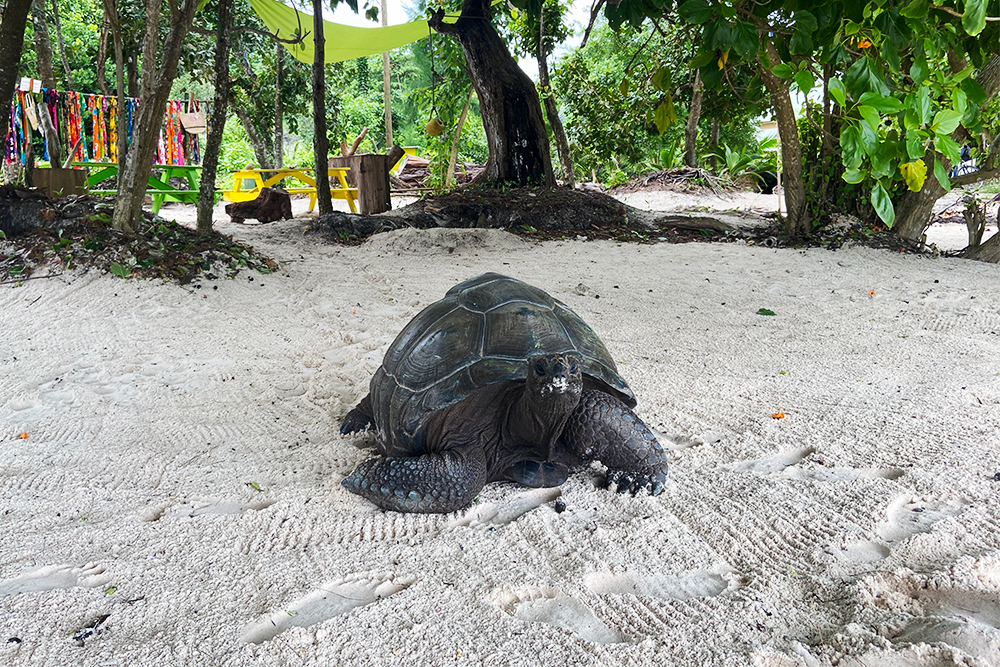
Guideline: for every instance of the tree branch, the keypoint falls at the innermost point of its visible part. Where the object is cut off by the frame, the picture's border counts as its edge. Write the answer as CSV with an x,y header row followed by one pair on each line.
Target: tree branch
x,y
953,12
595,10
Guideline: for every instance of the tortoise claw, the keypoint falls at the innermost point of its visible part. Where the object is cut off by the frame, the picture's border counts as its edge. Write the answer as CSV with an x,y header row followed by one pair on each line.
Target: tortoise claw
x,y
632,481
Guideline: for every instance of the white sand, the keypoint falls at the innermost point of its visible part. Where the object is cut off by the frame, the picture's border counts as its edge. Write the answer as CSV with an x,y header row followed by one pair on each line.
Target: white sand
x,y
180,478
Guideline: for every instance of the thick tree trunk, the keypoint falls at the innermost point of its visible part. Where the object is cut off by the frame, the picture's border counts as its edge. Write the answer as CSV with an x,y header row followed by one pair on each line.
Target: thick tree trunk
x,y
986,252
279,109
12,23
149,117
512,114
913,211
217,122
62,46
43,45
796,220
694,115
321,142
551,112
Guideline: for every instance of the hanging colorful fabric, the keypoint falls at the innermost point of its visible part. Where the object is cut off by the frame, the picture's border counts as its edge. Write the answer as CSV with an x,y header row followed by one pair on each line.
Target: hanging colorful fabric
x,y
113,125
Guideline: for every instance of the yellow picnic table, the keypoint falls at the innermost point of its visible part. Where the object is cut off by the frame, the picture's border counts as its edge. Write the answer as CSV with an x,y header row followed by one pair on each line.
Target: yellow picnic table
x,y
247,184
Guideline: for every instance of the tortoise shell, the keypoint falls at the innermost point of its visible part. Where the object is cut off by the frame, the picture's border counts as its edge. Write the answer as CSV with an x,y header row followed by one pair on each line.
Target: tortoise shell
x,y
481,332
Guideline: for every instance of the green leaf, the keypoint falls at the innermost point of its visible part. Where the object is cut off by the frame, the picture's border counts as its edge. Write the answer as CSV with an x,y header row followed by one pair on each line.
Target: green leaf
x,y
974,18
765,311
975,91
914,146
871,116
850,143
718,35
664,116
945,144
960,101
854,175
916,9
868,138
695,11
946,121
746,39
942,175
119,270
838,92
701,59
883,160
919,70
783,70
851,28
860,78
805,81
625,86
924,106
657,78
883,205
881,103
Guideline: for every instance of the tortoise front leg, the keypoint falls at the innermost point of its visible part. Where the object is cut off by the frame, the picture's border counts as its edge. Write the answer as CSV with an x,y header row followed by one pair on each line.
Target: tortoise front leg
x,y
429,483
604,429
360,418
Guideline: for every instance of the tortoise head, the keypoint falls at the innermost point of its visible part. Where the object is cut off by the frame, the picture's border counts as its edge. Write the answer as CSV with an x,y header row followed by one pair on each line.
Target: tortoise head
x,y
555,378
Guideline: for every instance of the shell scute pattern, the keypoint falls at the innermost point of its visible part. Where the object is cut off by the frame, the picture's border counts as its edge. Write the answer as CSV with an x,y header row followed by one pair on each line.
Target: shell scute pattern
x,y
481,332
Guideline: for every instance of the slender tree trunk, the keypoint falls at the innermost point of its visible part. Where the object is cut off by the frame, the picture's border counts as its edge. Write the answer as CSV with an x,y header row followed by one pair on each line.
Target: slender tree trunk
x,y
12,24
694,115
111,16
449,177
512,114
132,74
913,211
551,112
217,122
279,109
62,46
713,141
796,220
43,45
102,59
261,149
321,142
149,117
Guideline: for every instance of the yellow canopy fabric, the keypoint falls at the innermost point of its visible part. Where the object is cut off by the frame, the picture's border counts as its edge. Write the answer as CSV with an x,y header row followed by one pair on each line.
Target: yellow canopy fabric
x,y
343,42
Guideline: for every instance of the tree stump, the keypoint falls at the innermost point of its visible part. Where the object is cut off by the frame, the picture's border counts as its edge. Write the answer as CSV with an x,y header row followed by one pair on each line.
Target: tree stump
x,y
370,173
270,205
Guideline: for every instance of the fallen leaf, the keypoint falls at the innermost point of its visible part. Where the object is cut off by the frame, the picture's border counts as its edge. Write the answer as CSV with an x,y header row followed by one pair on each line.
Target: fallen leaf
x,y
778,415
23,436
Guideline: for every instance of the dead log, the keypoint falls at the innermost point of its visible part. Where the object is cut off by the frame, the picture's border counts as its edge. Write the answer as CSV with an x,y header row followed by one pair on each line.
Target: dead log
x,y
270,205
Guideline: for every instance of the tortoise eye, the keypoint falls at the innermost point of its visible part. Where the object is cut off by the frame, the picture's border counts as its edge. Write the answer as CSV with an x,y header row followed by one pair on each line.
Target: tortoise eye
x,y
540,368
573,366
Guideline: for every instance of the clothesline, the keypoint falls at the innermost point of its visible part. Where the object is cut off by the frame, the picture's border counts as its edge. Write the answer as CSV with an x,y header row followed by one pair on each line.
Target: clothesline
x,y
96,120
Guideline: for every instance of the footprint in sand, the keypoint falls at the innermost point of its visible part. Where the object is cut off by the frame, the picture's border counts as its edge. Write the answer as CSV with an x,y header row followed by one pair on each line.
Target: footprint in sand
x,y
960,608
909,515
684,586
333,598
772,464
549,606
201,507
787,463
506,511
52,577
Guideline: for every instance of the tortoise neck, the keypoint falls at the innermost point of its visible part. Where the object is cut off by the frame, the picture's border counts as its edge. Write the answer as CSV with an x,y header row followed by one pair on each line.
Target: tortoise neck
x,y
538,419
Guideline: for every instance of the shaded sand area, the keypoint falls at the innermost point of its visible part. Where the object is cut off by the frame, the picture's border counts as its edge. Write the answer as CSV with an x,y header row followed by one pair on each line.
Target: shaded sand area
x,y
176,499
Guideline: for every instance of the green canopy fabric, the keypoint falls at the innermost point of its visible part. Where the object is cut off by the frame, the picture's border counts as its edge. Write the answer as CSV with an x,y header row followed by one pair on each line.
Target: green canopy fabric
x,y
343,42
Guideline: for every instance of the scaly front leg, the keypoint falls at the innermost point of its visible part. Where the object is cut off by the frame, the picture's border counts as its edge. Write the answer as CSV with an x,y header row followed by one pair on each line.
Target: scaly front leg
x,y
604,429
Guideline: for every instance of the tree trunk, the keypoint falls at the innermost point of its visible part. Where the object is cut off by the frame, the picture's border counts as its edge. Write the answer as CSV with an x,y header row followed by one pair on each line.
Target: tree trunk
x,y
261,149
796,220
12,23
713,141
62,46
913,211
512,114
111,16
279,109
321,142
43,45
132,74
551,112
102,58
694,115
449,177
217,121
986,252
149,117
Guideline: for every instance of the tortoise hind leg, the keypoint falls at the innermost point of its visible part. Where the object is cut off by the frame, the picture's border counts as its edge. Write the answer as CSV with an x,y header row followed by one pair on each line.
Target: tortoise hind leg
x,y
361,418
603,428
429,483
